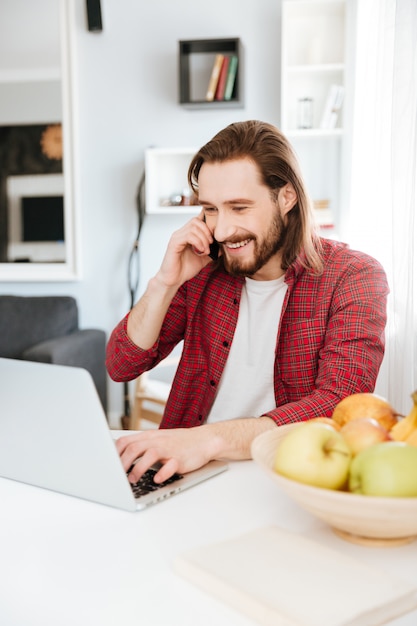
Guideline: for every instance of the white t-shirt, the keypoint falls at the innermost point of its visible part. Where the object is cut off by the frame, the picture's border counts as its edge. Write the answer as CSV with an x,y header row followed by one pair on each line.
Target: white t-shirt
x,y
246,388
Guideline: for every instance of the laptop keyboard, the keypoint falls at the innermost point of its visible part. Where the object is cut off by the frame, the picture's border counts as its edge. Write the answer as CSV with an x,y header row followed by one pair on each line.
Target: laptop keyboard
x,y
146,483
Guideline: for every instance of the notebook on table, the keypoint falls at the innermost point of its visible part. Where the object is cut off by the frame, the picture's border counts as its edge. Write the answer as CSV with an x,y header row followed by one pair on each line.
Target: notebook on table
x,y
54,434
280,578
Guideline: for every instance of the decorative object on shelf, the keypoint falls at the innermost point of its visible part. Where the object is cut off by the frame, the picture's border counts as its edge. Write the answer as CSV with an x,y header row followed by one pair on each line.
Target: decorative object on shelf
x,y
184,198
173,200
332,107
305,113
206,68
188,197
323,213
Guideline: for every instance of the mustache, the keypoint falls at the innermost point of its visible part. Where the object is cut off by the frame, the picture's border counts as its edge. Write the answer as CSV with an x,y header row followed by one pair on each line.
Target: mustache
x,y
236,239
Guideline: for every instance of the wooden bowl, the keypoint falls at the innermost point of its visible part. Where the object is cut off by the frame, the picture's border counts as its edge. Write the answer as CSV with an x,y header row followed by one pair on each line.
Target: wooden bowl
x,y
362,519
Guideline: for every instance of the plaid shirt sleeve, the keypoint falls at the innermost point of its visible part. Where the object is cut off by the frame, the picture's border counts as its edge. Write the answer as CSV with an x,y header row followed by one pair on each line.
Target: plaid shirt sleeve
x,y
125,360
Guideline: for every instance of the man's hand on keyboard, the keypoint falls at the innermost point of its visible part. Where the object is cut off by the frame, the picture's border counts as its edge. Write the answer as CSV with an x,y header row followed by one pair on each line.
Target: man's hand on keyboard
x,y
178,450
185,449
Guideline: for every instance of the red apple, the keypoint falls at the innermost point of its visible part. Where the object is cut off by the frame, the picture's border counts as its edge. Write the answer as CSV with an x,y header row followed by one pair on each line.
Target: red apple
x,y
363,432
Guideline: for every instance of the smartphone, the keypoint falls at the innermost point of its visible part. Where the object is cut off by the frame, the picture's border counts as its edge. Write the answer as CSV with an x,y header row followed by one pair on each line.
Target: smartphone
x,y
214,249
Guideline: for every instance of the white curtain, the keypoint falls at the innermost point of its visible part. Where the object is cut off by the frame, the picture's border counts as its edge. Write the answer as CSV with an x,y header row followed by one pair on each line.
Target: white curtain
x,y
382,217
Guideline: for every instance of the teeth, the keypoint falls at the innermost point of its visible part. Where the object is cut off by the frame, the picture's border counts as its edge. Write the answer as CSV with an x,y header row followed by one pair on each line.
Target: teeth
x,y
239,244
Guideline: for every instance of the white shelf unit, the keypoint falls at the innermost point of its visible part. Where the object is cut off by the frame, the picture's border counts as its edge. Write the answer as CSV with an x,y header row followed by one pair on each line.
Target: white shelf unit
x,y
313,45
313,58
166,176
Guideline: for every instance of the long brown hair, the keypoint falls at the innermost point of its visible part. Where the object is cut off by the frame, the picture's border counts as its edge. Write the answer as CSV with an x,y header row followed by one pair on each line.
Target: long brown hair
x,y
269,149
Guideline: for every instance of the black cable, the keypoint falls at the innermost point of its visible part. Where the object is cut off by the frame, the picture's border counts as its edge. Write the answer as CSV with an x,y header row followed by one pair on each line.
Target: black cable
x,y
133,274
133,265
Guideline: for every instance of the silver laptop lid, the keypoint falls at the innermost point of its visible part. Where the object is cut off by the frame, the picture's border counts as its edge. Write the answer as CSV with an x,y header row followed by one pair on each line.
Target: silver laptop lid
x,y
54,434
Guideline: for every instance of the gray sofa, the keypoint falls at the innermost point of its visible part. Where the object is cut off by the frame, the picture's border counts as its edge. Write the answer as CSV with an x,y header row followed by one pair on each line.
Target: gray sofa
x,y
45,328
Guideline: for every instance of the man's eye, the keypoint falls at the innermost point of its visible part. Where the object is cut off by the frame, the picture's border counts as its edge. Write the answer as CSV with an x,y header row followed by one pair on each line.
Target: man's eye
x,y
239,208
209,210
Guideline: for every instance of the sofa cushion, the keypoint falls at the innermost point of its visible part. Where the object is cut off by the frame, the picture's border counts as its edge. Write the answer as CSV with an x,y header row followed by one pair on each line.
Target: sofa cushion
x,y
28,320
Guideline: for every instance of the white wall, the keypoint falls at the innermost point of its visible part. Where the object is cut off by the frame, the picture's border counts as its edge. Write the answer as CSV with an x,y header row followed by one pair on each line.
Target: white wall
x,y
127,100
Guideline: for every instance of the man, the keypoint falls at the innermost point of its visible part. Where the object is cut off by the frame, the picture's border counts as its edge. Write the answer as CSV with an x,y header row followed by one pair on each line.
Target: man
x,y
279,329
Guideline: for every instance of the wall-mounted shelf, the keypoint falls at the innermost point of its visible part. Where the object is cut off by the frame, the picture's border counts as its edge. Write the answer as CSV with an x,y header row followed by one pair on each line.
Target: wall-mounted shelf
x,y
196,60
166,179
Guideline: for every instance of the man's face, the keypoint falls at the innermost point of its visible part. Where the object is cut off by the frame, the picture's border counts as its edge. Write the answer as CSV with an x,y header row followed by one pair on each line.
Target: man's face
x,y
248,224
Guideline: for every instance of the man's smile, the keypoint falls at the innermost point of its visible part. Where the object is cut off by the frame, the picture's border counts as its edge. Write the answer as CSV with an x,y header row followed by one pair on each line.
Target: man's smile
x,y
238,244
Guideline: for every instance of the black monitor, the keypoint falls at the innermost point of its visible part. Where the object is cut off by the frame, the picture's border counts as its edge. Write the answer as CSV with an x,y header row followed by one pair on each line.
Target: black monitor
x,y
42,218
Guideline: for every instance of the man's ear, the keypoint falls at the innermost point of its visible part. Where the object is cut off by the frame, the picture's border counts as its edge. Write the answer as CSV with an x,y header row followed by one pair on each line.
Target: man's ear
x,y
287,198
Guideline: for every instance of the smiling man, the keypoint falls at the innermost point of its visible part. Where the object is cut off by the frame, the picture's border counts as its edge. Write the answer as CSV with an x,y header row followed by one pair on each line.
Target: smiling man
x,y
279,329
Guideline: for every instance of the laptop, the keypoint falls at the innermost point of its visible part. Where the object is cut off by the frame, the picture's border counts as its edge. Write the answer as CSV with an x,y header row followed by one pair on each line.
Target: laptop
x,y
54,434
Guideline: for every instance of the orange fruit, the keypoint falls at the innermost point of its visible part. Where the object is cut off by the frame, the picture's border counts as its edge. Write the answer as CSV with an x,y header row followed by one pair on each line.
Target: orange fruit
x,y
365,405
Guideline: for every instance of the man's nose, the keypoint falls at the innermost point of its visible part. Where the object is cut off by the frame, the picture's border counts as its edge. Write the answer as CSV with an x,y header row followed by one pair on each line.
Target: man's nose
x,y
225,227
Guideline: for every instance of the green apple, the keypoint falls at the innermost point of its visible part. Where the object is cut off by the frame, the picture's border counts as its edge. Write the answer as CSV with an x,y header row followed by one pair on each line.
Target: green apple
x,y
385,469
314,453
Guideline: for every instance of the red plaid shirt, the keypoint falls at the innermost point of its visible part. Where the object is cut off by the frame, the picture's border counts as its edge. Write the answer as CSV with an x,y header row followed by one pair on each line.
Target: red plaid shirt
x,y
329,343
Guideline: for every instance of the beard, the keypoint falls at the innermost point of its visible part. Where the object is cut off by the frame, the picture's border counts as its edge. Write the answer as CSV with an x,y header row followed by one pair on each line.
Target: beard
x,y
264,250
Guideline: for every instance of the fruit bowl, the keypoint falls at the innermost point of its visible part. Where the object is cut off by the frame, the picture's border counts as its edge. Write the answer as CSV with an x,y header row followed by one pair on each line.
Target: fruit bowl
x,y
368,520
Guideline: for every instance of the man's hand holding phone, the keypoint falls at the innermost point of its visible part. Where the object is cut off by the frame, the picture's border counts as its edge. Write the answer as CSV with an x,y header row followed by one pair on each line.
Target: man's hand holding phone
x,y
186,255
190,248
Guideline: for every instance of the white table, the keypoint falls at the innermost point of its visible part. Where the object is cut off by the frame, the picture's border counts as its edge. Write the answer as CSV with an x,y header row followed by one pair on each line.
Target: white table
x,y
68,562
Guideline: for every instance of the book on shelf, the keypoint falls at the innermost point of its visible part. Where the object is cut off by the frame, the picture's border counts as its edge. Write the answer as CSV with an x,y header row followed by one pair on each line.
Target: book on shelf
x,y
214,77
231,77
332,106
221,83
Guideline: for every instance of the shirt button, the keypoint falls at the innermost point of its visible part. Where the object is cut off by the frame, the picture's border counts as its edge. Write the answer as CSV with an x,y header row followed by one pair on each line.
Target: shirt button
x,y
225,343
213,383
200,418
235,301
